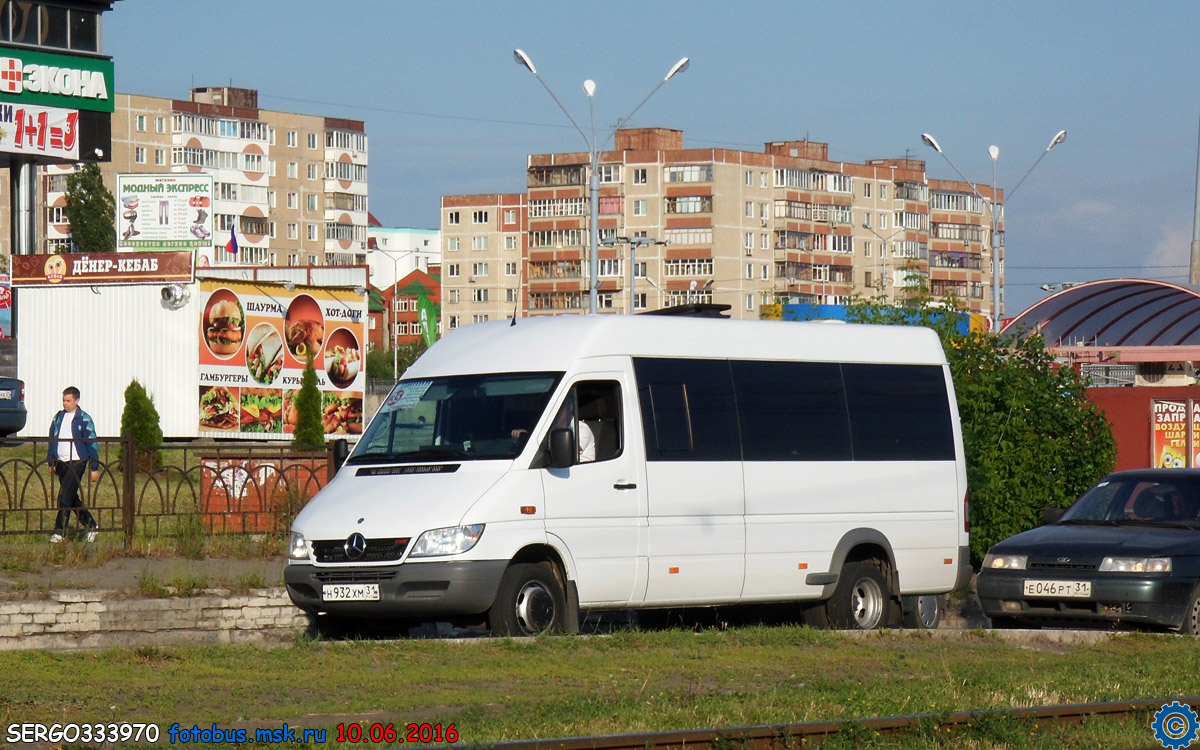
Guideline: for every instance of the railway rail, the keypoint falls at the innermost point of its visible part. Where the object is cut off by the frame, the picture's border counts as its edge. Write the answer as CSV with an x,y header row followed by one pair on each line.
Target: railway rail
x,y
789,736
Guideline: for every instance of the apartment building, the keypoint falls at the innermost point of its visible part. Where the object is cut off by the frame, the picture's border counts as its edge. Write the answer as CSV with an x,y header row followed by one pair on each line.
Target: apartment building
x,y
483,258
292,187
741,228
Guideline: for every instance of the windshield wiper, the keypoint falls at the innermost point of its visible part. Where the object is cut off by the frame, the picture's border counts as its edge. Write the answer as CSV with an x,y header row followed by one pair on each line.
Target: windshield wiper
x,y
1087,521
1160,524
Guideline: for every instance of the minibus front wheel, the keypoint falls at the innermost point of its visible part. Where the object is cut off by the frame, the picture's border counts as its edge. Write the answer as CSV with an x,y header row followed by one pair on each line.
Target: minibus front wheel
x,y
530,601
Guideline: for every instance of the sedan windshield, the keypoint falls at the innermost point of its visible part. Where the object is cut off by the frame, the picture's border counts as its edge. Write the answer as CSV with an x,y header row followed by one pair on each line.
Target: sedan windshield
x,y
459,418
1138,500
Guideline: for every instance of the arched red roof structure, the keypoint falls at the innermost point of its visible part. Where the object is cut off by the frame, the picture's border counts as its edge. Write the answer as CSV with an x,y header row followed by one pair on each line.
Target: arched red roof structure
x,y
1135,317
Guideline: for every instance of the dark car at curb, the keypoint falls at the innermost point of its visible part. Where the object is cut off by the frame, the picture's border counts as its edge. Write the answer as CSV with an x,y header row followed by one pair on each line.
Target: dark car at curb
x,y
12,406
1126,554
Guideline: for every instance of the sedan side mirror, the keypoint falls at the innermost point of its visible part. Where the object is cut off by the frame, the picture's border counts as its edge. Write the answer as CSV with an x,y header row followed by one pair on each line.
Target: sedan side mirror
x,y
563,452
1051,515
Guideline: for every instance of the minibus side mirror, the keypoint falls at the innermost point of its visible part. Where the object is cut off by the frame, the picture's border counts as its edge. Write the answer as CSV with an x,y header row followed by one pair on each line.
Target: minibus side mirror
x,y
1051,515
563,452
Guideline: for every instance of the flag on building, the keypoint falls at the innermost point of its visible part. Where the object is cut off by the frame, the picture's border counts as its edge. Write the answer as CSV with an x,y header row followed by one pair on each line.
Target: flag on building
x,y
231,246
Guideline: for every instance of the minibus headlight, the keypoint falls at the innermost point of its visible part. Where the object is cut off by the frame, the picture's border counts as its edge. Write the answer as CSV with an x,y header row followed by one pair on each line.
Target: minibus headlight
x,y
298,549
1004,562
448,541
1136,565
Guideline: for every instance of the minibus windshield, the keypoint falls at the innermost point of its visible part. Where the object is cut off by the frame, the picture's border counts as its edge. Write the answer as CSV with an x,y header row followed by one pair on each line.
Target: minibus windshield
x,y
457,418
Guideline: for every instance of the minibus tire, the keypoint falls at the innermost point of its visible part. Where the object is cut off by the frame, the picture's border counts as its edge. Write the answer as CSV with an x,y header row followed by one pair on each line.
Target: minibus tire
x,y
814,615
861,600
530,601
921,611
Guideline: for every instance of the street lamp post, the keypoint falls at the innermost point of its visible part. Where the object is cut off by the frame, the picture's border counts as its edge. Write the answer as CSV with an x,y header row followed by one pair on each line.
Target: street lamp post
x,y
634,243
395,281
595,149
883,256
994,153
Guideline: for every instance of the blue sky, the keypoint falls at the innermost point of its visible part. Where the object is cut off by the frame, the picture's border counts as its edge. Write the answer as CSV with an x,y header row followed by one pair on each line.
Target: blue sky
x,y
448,111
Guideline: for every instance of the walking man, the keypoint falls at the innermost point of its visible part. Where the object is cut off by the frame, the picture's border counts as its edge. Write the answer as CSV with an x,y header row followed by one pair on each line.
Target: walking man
x,y
72,449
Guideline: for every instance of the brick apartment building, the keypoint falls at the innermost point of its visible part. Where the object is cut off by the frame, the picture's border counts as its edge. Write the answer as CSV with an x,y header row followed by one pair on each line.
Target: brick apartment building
x,y
746,229
292,186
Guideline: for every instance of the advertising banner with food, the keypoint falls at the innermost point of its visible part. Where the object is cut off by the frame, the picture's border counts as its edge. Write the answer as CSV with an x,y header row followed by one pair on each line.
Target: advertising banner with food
x,y
164,211
255,339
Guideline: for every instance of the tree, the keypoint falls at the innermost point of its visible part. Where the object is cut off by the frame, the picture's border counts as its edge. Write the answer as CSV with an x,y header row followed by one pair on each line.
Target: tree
x,y
310,431
380,361
1032,438
140,421
91,209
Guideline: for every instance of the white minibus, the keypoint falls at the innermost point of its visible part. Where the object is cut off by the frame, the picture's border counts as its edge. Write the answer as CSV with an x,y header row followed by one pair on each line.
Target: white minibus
x,y
526,471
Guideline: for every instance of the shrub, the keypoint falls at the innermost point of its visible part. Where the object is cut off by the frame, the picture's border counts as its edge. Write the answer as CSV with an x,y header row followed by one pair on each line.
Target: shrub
x,y
310,431
140,421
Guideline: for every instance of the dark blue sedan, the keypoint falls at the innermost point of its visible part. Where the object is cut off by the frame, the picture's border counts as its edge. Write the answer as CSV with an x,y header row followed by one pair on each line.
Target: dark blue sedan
x,y
1127,553
12,406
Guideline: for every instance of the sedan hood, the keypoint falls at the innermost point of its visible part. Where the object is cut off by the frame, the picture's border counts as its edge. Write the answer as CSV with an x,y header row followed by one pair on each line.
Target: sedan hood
x,y
1134,540
396,501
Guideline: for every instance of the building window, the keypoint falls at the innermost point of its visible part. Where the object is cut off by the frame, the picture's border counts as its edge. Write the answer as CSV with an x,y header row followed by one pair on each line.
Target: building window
x,y
867,251
639,207
639,301
639,176
312,202
454,296
510,243
749,209
55,215
749,301
293,231
139,154
510,269
292,139
293,200
312,232
883,192
883,221
748,242
749,270
312,171
160,125
160,157
510,216
479,295
695,173
610,173
312,141
139,123
479,217
510,295
609,267
479,243
452,217
866,190
479,269
749,178
452,243
452,270
293,170
765,272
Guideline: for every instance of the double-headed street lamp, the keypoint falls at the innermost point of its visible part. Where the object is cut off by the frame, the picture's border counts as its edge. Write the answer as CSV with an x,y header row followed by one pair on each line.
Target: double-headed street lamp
x,y
595,149
395,281
634,243
994,153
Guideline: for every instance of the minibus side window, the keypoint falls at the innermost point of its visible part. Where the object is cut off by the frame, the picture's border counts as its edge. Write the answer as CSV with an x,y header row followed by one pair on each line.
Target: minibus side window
x,y
592,411
792,411
899,412
688,409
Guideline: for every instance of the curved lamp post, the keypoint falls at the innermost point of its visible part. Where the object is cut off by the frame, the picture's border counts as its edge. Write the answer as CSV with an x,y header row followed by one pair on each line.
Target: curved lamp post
x,y
595,149
994,153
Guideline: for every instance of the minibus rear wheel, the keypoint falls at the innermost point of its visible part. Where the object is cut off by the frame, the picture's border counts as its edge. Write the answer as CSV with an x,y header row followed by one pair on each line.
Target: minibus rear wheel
x,y
530,601
861,600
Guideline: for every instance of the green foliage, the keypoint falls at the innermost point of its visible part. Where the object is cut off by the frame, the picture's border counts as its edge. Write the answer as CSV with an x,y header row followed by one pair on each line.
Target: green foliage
x,y
140,421
1032,438
91,209
379,361
310,432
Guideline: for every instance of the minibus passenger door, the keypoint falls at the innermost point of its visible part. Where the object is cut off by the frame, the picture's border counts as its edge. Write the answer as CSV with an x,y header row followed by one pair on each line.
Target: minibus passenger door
x,y
595,508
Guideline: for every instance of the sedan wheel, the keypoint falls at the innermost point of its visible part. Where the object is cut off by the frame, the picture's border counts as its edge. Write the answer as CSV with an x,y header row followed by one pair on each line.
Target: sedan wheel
x,y
1191,618
922,611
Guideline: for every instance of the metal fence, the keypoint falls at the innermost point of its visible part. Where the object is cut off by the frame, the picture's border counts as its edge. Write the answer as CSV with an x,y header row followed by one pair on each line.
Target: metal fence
x,y
237,487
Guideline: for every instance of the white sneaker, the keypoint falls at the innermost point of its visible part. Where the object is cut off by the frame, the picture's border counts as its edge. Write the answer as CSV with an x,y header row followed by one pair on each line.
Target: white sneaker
x,y
91,534
56,538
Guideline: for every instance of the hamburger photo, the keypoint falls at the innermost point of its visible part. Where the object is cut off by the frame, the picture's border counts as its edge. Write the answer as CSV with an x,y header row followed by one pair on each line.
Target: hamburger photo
x,y
225,327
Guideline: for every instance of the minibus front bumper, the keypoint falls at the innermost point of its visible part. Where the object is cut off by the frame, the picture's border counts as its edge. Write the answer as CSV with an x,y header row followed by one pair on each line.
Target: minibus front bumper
x,y
431,590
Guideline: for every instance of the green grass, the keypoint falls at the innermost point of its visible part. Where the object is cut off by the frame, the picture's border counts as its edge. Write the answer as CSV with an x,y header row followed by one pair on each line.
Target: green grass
x,y
495,689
